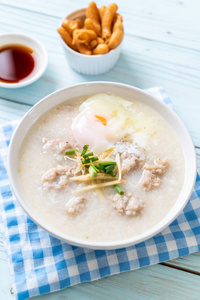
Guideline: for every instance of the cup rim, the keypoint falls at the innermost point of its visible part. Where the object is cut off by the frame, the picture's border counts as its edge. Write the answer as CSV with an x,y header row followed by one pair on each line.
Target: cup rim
x,y
42,66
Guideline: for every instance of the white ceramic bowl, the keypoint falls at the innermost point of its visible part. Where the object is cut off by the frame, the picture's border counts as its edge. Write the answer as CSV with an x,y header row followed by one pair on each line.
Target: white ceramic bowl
x,y
36,46
124,91
89,64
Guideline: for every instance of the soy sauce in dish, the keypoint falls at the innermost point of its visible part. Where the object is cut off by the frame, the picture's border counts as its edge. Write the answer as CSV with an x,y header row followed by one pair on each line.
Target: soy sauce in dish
x,y
17,62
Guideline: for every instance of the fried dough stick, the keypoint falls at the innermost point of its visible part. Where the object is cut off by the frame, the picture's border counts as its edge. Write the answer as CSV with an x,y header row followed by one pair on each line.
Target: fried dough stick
x,y
101,49
93,14
102,11
117,34
90,25
84,49
107,20
71,25
66,37
83,36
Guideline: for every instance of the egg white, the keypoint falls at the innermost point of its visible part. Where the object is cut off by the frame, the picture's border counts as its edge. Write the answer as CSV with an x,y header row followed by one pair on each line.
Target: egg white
x,y
87,129
120,120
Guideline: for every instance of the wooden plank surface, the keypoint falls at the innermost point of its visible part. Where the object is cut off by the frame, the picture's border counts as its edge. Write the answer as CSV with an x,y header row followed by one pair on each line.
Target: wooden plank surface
x,y
162,20
151,283
161,47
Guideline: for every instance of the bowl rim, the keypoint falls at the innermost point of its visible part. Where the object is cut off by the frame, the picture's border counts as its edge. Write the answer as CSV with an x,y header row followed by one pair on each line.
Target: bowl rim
x,y
102,245
42,66
97,56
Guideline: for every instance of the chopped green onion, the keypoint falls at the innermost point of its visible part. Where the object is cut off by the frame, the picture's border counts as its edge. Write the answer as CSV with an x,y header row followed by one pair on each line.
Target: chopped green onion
x,y
109,168
96,169
107,163
92,172
70,152
118,189
112,174
94,158
87,160
102,166
99,167
88,154
84,149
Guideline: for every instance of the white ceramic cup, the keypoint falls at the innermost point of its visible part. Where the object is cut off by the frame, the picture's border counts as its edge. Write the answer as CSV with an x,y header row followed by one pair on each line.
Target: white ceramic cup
x,y
36,46
89,64
122,90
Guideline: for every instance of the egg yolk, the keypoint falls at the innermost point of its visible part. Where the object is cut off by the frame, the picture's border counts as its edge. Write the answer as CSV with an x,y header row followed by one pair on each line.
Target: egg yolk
x,y
102,120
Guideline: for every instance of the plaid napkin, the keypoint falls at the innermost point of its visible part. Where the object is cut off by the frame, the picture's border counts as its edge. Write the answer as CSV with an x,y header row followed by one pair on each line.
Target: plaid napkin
x,y
40,263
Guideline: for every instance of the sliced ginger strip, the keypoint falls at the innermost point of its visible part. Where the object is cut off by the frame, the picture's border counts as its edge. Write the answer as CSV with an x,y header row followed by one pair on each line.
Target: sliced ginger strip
x,y
107,152
101,176
100,185
119,166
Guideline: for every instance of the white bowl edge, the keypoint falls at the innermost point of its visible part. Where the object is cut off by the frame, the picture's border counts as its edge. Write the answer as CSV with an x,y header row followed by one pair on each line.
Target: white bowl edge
x,y
122,90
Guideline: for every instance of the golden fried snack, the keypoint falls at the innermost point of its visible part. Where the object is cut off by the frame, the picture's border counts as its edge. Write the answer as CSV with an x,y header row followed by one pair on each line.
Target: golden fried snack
x,y
101,12
84,49
118,20
90,25
102,31
66,37
100,40
82,36
101,49
118,33
93,44
93,14
71,25
107,20
116,38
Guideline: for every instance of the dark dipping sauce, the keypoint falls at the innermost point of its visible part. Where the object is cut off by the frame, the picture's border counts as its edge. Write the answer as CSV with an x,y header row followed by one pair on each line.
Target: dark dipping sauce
x,y
16,63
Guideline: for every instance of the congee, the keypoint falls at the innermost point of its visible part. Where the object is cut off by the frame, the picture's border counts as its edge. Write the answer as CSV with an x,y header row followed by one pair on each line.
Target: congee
x,y
101,168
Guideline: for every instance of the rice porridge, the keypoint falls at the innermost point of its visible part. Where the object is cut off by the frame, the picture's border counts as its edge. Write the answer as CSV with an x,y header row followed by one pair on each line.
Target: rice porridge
x,y
101,168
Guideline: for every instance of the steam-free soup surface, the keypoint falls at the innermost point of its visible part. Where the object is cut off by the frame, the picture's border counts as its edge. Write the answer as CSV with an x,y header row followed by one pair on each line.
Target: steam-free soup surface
x,y
151,158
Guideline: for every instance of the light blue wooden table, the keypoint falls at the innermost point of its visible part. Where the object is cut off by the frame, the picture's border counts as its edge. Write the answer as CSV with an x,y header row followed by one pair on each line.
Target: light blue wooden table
x,y
161,47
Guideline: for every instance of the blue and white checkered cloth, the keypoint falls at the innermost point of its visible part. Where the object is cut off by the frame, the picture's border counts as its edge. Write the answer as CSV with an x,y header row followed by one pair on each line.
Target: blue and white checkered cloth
x,y
40,263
